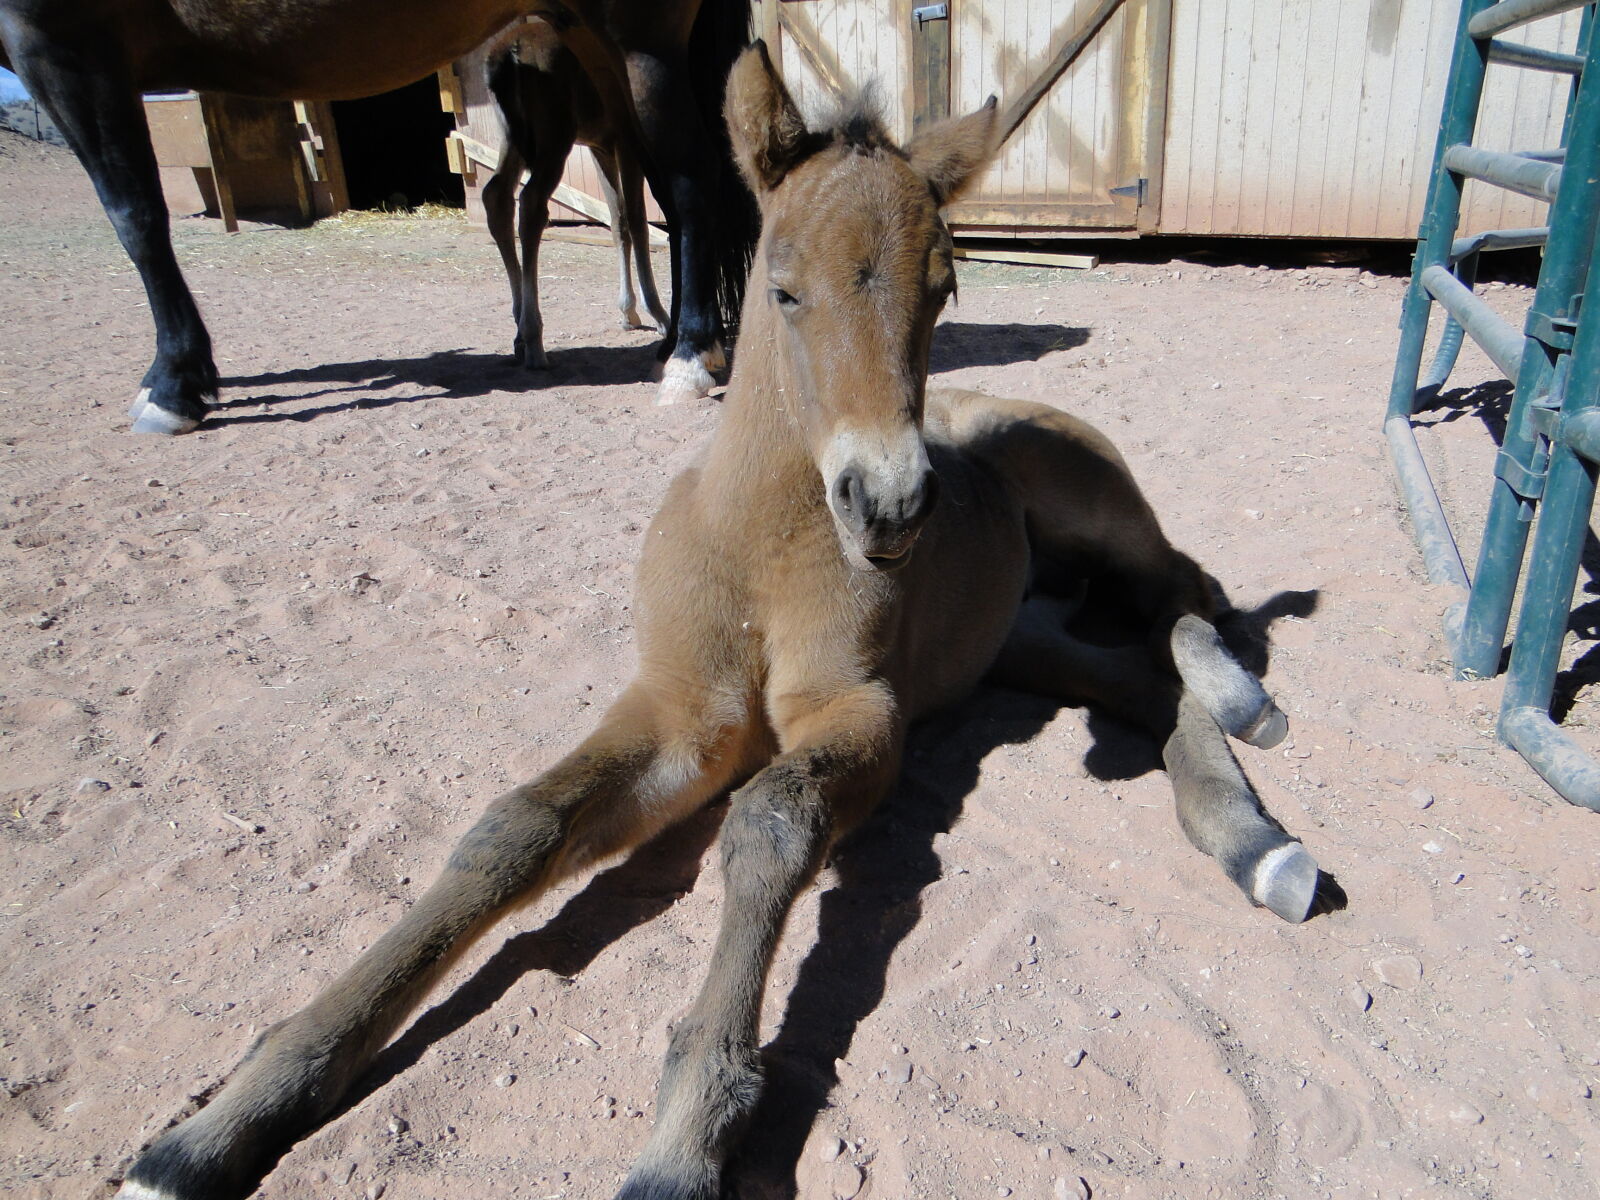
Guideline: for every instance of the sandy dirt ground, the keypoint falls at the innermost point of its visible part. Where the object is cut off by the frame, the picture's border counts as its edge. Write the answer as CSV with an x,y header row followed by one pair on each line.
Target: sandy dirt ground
x,y
255,680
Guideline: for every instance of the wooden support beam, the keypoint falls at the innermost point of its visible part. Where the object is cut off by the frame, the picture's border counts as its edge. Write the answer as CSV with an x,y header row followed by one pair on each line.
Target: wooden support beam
x,y
1029,258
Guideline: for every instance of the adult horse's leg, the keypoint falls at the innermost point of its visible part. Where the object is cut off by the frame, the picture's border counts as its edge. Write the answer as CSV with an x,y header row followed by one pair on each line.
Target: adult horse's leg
x,y
500,211
547,158
621,240
88,93
686,175
842,758
630,192
642,769
630,234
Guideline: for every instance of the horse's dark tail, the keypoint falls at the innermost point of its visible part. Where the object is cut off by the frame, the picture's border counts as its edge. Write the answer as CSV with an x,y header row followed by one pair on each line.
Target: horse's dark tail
x,y
721,32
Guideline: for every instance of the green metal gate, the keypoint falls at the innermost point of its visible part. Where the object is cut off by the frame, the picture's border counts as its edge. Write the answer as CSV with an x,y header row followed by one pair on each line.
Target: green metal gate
x,y
1545,472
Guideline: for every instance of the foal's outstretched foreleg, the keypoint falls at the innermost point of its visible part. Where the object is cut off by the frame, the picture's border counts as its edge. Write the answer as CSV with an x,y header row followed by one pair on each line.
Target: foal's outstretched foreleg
x,y
1222,815
773,841
623,784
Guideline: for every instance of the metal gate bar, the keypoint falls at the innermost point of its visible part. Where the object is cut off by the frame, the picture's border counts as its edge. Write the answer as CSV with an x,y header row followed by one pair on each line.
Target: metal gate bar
x,y
1546,460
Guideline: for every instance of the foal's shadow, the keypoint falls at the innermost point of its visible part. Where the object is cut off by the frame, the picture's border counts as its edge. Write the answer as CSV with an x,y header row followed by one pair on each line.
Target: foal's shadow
x,y
448,374
972,344
884,868
880,874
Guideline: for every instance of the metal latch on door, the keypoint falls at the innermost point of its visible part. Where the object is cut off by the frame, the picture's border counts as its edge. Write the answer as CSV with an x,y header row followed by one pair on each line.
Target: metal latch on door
x,y
924,13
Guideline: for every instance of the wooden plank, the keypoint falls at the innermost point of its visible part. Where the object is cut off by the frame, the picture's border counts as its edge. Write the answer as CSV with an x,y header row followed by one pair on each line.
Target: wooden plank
x,y
177,131
1044,215
1153,72
451,99
1031,258
930,71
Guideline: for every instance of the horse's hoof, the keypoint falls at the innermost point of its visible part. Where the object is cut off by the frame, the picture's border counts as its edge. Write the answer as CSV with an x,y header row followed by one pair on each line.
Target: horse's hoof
x,y
1286,882
138,404
134,1190
152,418
1268,729
684,379
631,319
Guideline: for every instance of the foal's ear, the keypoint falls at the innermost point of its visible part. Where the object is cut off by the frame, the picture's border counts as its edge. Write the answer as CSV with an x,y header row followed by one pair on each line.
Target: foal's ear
x,y
950,155
767,130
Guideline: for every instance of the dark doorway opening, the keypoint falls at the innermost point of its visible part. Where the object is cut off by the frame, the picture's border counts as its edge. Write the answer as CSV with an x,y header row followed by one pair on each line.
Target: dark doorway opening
x,y
393,148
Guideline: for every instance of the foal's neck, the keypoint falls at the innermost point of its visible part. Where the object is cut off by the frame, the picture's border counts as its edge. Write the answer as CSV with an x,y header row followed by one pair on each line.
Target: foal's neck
x,y
758,455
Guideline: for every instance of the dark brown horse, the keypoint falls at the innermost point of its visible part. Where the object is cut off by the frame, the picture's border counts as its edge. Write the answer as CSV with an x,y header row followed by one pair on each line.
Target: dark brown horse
x,y
87,61
802,598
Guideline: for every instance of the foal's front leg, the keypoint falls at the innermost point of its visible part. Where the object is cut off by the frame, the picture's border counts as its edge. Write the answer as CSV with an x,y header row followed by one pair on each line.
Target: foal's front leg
x,y
841,760
629,779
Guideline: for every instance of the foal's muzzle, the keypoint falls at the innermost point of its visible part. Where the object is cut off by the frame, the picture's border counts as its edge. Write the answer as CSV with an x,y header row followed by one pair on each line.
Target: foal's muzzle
x,y
881,518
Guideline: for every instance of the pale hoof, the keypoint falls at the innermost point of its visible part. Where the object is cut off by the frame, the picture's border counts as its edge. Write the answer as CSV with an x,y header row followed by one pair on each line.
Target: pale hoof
x,y
632,320
682,380
1268,729
134,1190
1286,882
138,404
153,418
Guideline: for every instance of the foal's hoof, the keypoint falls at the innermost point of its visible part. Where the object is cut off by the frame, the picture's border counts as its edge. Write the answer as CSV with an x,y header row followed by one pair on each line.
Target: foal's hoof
x,y
1268,729
1285,881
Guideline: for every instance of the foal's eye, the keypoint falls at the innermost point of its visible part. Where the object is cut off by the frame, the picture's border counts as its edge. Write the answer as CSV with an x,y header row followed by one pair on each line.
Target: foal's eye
x,y
784,299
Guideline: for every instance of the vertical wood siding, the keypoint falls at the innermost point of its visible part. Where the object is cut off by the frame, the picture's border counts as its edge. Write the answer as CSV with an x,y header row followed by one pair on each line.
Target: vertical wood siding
x,y
1311,118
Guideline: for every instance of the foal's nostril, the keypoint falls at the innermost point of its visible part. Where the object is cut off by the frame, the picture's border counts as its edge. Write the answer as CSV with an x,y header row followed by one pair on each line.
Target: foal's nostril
x,y
851,501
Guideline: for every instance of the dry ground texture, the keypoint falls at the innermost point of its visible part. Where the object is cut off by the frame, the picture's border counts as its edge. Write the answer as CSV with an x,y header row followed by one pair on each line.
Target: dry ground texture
x,y
255,680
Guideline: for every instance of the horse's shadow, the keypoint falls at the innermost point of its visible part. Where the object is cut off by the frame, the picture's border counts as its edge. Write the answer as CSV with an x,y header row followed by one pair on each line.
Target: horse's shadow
x,y
442,374
880,873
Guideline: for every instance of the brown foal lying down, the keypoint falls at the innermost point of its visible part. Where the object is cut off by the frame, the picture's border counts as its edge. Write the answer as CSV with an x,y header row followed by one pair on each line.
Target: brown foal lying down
x,y
851,553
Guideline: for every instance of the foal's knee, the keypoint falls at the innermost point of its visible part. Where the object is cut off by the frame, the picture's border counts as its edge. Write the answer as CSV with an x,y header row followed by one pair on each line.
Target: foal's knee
x,y
774,834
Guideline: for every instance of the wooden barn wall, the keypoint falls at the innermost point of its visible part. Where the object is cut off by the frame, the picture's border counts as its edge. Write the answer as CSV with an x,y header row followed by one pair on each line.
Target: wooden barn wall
x,y
1317,118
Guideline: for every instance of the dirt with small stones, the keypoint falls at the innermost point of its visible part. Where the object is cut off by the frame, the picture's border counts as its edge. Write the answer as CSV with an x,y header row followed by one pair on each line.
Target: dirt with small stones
x,y
253,682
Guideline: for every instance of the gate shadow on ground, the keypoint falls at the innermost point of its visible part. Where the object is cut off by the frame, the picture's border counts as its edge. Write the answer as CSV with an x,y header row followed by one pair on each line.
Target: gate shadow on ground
x,y
1491,403
968,344
874,901
442,374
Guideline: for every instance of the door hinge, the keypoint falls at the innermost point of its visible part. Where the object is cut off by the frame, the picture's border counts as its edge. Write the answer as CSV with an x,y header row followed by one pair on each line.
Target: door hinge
x,y
1139,190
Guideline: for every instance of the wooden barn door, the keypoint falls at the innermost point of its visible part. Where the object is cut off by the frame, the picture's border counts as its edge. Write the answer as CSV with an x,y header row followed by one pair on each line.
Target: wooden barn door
x,y
1082,88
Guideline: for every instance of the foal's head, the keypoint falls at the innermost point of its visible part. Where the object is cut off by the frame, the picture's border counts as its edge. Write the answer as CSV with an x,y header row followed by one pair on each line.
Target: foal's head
x,y
853,267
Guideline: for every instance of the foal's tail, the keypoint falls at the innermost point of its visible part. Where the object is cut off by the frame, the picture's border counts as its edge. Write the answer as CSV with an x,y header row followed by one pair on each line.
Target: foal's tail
x,y
721,32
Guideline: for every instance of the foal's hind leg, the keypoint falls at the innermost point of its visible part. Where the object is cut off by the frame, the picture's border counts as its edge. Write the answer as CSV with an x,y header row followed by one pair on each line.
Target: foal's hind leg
x,y
1217,808
1222,815
627,780
841,760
